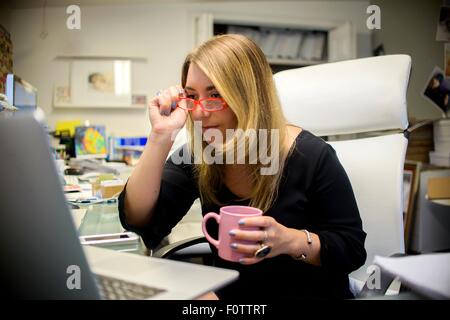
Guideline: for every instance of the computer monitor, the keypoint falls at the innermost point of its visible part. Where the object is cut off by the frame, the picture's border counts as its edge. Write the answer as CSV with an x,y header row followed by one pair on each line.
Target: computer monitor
x,y
20,93
90,142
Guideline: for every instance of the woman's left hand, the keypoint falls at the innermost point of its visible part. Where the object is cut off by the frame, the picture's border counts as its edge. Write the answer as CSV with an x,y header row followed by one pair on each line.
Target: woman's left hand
x,y
272,234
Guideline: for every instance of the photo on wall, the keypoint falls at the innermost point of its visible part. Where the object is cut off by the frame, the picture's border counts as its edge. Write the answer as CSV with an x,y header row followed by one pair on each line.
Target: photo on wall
x,y
437,90
100,83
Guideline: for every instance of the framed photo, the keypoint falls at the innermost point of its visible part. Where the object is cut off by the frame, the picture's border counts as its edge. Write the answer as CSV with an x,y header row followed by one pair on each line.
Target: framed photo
x,y
61,96
139,100
100,83
437,90
411,174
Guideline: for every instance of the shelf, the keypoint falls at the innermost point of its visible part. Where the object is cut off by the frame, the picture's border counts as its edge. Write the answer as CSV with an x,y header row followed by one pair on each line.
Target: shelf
x,y
294,62
70,106
136,59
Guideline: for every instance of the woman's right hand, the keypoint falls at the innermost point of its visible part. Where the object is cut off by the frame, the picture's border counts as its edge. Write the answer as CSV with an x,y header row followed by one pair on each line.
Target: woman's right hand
x,y
164,118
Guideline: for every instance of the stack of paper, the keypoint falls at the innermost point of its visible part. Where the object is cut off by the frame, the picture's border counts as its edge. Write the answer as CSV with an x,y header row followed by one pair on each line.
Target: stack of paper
x,y
428,274
441,154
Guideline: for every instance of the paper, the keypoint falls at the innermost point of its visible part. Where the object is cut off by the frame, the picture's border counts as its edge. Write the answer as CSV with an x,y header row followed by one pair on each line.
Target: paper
x,y
426,274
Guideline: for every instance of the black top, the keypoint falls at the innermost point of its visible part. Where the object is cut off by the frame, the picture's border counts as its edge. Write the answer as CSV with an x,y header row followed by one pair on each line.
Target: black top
x,y
314,194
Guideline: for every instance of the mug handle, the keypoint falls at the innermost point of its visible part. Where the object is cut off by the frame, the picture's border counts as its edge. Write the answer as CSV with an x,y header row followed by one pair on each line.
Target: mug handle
x,y
216,217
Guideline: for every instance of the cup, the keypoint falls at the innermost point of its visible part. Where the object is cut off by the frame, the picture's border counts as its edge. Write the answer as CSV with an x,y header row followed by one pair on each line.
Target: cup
x,y
227,220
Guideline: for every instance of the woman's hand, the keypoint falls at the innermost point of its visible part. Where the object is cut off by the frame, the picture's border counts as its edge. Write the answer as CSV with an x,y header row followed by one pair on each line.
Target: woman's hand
x,y
165,117
272,234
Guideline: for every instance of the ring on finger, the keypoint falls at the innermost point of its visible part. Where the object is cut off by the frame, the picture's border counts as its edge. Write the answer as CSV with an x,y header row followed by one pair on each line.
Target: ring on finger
x,y
266,236
263,251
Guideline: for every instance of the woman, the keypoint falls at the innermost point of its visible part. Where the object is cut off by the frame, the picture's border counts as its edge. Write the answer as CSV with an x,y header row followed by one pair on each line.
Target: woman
x,y
311,221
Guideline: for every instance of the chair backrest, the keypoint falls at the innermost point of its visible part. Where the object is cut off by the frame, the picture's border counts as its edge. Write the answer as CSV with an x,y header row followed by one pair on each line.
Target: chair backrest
x,y
356,96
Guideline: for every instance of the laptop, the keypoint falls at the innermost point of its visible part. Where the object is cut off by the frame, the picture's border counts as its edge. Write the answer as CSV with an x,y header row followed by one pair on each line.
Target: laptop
x,y
42,257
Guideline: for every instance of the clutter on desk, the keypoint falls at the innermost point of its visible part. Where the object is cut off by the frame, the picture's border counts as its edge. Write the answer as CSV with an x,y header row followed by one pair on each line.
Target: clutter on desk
x,y
72,188
92,165
127,149
107,187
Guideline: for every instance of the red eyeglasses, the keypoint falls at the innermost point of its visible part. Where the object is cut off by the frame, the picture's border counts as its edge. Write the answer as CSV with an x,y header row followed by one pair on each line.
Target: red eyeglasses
x,y
207,104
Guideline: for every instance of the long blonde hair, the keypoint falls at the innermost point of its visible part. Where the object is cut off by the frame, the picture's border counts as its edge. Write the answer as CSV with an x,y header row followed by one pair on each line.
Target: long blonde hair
x,y
240,72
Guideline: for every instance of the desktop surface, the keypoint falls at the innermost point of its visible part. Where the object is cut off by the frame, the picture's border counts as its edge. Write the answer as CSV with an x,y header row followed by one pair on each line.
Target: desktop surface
x,y
103,218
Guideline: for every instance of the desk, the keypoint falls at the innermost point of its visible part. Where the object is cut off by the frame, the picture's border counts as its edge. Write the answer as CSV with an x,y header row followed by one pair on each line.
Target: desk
x,y
102,219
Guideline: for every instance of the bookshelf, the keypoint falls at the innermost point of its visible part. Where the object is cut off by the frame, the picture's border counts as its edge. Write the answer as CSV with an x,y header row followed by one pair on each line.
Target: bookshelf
x,y
287,43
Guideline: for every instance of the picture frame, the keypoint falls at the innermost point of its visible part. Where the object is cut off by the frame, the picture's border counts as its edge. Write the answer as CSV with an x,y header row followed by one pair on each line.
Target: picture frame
x,y
411,174
61,96
100,83
139,100
437,91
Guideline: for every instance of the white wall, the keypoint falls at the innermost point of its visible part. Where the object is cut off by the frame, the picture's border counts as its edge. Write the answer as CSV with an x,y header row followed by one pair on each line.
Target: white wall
x,y
410,27
161,33
5,16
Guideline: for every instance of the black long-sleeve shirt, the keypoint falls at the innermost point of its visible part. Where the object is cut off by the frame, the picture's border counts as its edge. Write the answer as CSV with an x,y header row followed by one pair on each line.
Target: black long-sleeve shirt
x,y
314,194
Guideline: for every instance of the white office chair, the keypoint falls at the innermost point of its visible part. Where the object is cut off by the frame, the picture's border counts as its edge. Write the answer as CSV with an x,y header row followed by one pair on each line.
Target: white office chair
x,y
350,97
359,96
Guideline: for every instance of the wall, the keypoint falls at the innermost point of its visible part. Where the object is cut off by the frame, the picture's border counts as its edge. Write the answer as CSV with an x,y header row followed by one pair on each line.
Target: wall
x,y
5,15
410,27
162,33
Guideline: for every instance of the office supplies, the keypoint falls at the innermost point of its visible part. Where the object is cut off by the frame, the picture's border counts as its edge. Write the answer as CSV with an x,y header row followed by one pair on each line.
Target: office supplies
x,y
47,255
20,93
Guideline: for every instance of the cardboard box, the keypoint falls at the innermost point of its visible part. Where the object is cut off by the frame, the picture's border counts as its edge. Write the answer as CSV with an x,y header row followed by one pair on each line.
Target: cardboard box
x,y
438,188
107,188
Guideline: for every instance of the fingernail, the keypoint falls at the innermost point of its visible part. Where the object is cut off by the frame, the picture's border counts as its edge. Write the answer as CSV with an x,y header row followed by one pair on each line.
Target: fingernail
x,y
173,105
241,261
158,92
241,222
232,233
233,245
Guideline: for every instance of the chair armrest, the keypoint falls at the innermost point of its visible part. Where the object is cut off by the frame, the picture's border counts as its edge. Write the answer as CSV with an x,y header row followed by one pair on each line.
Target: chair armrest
x,y
172,248
385,282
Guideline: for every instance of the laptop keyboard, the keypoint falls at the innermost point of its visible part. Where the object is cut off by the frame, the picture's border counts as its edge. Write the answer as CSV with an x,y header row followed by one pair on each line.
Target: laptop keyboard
x,y
115,289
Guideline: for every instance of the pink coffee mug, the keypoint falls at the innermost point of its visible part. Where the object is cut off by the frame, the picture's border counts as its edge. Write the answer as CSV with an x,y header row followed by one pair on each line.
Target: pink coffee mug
x,y
229,219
